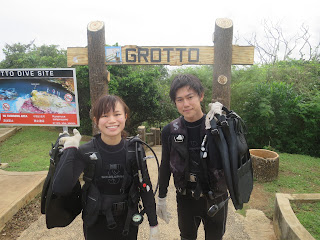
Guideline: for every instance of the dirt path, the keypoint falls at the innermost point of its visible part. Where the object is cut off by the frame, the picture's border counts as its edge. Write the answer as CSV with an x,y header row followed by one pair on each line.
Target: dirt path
x,y
254,226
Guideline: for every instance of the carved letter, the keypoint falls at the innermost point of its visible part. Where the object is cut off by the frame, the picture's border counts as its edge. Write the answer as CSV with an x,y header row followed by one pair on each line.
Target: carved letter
x,y
189,54
155,49
168,53
132,55
144,55
181,50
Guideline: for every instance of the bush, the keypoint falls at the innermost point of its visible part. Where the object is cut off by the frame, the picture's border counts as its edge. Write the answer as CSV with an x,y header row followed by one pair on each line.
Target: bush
x,y
277,117
268,111
280,105
309,111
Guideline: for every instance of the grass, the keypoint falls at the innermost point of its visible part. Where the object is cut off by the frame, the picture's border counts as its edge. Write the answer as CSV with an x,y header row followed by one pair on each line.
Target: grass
x,y
308,215
297,174
28,150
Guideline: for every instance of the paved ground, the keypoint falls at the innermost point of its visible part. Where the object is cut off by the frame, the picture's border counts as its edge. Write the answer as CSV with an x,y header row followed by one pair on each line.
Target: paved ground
x,y
255,226
7,132
19,188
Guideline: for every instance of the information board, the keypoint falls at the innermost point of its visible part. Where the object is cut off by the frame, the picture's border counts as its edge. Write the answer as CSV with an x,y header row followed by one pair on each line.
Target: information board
x,y
39,97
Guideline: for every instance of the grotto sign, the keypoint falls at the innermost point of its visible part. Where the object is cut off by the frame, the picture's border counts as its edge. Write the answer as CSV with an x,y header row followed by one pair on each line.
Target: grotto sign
x,y
160,55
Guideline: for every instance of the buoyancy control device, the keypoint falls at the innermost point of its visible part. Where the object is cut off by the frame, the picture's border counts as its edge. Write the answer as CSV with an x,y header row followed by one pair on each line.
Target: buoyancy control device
x,y
60,211
228,132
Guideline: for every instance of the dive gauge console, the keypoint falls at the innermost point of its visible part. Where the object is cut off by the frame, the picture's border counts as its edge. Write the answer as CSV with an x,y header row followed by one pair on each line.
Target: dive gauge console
x,y
137,219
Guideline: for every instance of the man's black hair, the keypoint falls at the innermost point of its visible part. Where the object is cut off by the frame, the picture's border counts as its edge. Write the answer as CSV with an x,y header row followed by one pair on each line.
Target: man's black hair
x,y
183,80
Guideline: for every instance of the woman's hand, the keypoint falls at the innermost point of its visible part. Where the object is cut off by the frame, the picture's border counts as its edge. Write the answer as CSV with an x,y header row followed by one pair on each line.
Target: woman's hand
x,y
73,141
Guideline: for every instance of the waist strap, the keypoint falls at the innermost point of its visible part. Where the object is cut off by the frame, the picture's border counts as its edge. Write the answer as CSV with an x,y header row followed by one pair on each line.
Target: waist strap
x,y
113,205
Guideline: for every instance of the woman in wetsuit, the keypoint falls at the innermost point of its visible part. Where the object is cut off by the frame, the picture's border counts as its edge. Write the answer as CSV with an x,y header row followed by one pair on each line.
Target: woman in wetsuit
x,y
109,114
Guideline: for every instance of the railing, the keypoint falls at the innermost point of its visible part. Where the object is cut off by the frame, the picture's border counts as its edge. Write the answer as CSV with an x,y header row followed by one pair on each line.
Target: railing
x,y
152,138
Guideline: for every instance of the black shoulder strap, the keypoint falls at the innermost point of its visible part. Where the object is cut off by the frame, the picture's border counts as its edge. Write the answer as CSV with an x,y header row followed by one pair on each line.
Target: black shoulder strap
x,y
128,168
141,171
179,142
134,157
94,156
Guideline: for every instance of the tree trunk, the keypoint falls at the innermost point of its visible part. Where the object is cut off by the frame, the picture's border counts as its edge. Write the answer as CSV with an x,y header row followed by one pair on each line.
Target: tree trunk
x,y
222,61
96,62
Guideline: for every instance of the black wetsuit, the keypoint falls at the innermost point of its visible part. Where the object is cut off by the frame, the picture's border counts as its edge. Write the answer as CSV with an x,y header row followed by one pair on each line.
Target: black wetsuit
x,y
109,181
190,210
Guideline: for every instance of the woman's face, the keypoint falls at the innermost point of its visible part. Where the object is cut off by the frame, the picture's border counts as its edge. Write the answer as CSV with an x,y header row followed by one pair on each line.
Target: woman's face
x,y
112,123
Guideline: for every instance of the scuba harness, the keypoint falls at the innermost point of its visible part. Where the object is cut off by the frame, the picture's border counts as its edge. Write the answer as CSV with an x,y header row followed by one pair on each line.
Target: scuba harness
x,y
225,162
60,211
210,182
135,179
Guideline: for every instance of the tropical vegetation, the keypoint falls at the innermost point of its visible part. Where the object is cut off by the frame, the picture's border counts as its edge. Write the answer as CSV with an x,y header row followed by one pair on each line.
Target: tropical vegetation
x,y
279,102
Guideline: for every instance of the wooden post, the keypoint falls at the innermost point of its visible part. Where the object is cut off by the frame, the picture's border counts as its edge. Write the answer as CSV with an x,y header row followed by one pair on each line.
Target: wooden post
x,y
142,133
98,76
156,135
222,61
150,138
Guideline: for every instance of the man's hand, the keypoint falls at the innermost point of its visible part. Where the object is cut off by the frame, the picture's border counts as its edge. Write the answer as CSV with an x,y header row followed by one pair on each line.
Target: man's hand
x,y
215,108
73,141
154,233
162,210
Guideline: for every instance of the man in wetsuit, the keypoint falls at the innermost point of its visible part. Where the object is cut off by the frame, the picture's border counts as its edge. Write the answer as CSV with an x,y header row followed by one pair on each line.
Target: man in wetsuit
x,y
181,144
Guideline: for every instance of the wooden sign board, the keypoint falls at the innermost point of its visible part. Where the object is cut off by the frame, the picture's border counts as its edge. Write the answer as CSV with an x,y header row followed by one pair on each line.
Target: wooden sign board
x,y
173,56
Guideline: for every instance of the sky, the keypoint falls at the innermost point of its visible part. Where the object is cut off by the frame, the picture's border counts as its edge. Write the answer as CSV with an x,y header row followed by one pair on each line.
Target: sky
x,y
150,23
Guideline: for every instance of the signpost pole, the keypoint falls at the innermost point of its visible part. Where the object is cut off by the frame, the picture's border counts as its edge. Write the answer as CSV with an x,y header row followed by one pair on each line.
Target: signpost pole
x,y
98,76
222,61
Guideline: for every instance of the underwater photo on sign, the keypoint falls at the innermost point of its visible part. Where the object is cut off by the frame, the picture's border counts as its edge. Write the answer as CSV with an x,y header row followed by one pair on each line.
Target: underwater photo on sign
x,y
38,95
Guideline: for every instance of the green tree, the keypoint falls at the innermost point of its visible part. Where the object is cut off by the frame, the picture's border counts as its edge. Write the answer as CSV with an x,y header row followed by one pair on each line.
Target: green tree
x,y
142,89
20,55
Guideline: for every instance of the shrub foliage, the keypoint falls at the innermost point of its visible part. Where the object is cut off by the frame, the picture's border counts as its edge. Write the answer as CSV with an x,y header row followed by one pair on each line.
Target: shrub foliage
x,y
281,105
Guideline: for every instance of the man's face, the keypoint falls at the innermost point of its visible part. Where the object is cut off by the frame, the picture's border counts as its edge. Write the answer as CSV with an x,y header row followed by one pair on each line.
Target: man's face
x,y
188,103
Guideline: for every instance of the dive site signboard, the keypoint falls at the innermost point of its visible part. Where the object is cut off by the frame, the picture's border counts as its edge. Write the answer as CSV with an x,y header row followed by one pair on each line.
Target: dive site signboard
x,y
39,97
